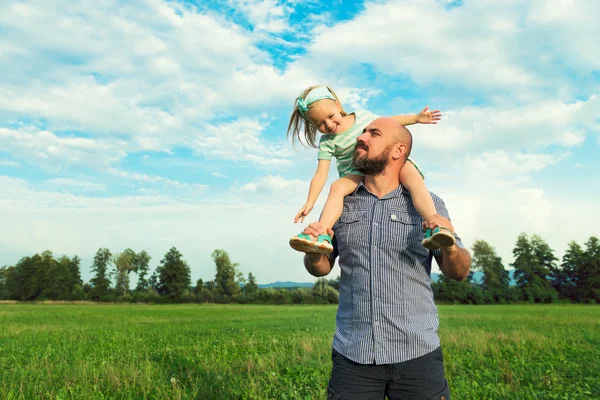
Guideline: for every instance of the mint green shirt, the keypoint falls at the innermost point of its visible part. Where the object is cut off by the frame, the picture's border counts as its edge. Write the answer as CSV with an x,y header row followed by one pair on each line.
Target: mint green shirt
x,y
341,146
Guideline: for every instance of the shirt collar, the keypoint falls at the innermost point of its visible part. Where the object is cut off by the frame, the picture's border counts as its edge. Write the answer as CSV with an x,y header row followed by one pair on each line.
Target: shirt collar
x,y
400,190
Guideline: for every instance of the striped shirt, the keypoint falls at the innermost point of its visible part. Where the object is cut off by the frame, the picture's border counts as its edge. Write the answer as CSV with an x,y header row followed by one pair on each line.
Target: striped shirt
x,y
341,145
386,313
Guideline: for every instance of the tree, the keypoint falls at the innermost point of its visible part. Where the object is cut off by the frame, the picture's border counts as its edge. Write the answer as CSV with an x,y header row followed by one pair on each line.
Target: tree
x,y
3,286
251,287
546,261
226,275
74,280
524,262
56,277
461,292
173,276
124,264
323,290
533,262
153,281
199,287
588,273
496,279
25,281
12,279
564,278
100,282
141,262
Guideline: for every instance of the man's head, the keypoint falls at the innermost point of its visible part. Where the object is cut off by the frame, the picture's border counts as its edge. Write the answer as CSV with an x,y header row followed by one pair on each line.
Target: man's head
x,y
383,142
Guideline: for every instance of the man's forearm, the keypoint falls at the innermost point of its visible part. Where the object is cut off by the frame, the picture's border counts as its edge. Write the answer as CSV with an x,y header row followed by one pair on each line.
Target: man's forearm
x,y
317,264
456,263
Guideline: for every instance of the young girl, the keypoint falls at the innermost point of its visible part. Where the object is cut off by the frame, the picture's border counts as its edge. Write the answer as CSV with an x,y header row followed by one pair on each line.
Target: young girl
x,y
318,108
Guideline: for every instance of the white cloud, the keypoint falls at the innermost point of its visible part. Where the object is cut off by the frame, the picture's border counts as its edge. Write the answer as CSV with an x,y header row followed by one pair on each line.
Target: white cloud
x,y
74,184
53,152
153,76
496,127
265,15
271,187
508,47
9,164
176,188
499,164
241,140
467,45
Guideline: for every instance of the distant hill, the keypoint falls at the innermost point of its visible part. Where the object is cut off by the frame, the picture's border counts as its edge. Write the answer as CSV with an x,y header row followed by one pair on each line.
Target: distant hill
x,y
477,278
286,284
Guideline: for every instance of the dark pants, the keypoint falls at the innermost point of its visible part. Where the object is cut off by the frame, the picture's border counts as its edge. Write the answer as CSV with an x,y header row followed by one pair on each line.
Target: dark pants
x,y
419,379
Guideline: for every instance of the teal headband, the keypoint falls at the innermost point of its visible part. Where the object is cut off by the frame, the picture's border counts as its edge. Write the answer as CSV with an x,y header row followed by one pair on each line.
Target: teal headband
x,y
318,93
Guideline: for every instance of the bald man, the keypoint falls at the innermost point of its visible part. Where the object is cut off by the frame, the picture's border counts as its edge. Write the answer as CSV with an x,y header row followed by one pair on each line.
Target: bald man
x,y
386,341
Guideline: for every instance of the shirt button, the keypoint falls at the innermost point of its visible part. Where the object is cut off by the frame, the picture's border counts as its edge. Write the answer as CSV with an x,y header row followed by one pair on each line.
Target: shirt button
x,y
376,323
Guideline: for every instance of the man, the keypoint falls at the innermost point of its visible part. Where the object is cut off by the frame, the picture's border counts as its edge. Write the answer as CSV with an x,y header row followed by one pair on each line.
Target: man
x,y
386,340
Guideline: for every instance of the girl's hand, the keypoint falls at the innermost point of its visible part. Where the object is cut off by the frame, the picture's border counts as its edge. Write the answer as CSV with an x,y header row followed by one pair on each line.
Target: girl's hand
x,y
304,211
429,117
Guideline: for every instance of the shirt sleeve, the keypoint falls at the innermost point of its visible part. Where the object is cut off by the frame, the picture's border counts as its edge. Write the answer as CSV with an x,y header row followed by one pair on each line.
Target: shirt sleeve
x,y
334,254
326,148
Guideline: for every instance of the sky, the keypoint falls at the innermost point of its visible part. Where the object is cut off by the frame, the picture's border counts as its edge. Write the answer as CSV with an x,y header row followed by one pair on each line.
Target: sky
x,y
154,124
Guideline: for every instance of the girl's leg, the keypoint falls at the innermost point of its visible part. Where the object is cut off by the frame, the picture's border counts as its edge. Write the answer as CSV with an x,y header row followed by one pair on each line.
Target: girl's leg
x,y
411,178
335,200
413,181
331,213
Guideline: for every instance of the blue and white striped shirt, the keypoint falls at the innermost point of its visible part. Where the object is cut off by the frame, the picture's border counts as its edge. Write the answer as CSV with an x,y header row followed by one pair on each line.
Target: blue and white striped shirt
x,y
386,313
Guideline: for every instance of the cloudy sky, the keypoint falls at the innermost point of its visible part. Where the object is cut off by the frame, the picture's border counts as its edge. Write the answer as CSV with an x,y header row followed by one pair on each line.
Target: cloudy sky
x,y
154,124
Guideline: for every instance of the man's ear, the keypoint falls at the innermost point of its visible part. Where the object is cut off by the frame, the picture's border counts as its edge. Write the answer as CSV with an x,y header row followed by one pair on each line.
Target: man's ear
x,y
399,151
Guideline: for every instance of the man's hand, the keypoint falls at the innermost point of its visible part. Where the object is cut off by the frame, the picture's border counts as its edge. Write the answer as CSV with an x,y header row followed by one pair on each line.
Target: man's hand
x,y
315,229
317,264
437,220
455,262
428,117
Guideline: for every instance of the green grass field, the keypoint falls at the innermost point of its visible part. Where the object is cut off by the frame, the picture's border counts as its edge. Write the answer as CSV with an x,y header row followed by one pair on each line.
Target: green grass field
x,y
278,352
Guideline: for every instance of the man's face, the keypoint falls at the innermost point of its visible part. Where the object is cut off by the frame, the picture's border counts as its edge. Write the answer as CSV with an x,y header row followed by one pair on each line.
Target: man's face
x,y
373,148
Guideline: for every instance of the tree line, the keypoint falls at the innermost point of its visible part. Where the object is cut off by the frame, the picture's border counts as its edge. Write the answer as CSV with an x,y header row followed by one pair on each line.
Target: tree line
x,y
44,277
538,276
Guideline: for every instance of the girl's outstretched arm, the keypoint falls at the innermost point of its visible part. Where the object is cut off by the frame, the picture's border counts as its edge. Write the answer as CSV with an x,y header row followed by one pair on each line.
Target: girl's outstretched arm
x,y
424,117
316,186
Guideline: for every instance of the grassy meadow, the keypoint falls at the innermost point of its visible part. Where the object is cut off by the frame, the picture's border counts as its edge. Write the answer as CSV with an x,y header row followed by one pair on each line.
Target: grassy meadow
x,y
278,352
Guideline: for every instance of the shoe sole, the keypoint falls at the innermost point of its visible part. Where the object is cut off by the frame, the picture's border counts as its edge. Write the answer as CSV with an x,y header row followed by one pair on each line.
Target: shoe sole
x,y
309,246
439,239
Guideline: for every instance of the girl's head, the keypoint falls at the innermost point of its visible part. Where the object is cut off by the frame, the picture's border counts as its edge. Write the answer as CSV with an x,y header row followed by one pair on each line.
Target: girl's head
x,y
317,108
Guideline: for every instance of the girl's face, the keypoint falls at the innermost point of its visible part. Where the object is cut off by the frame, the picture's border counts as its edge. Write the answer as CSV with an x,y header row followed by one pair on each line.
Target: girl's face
x,y
326,115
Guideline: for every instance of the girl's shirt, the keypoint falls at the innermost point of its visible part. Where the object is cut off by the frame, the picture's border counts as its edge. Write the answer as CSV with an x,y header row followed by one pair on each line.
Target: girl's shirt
x,y
341,146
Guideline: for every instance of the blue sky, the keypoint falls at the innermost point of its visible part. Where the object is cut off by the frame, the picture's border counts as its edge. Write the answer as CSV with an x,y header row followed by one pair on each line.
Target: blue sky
x,y
164,124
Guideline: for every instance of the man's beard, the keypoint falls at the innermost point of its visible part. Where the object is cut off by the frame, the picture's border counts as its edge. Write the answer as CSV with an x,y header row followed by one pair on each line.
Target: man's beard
x,y
371,166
